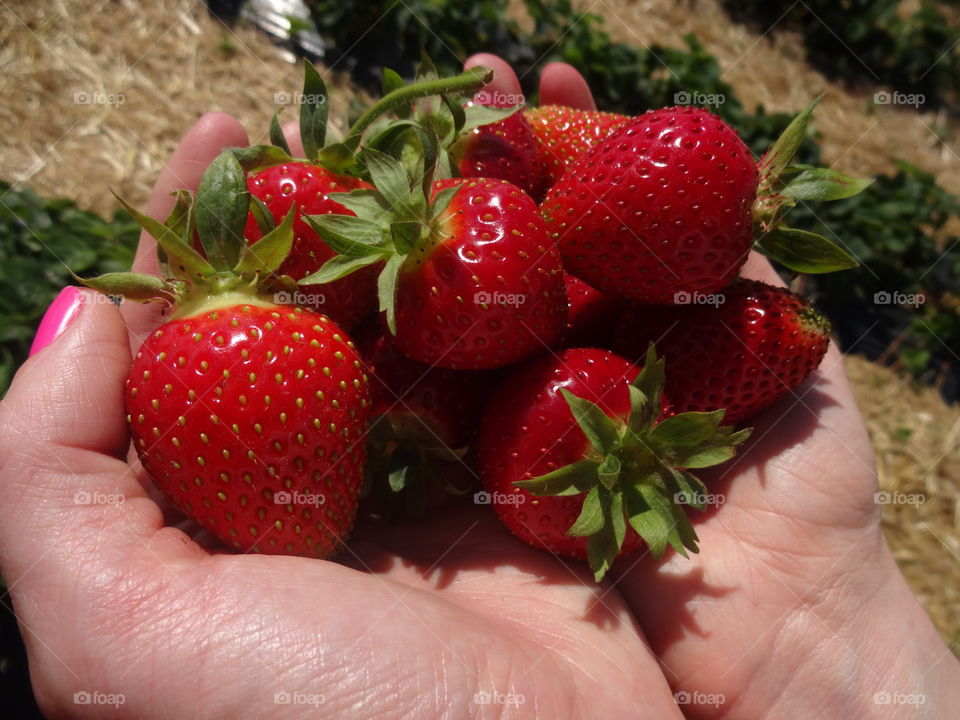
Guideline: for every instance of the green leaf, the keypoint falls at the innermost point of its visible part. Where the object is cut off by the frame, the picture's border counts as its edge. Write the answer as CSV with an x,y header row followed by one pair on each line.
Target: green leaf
x,y
339,266
602,432
609,470
691,491
277,138
267,254
399,473
604,546
388,177
338,157
649,382
478,115
365,203
805,252
390,81
591,518
715,451
132,286
314,108
686,429
822,184
180,256
649,512
781,153
573,479
442,200
222,206
346,234
261,214
387,290
406,235
257,157
457,112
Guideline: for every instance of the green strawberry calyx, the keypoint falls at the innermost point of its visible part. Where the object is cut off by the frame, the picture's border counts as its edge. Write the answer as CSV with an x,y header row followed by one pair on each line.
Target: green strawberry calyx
x,y
405,455
229,270
635,471
384,125
394,221
799,250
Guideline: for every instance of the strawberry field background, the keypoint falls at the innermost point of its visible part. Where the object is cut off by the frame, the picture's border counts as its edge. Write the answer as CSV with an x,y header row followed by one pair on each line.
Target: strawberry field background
x,y
112,113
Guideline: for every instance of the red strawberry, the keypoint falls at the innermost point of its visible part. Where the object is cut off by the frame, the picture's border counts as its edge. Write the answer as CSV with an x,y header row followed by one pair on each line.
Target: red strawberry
x,y
506,150
742,353
469,281
235,399
308,187
591,315
424,420
663,205
234,406
561,422
565,134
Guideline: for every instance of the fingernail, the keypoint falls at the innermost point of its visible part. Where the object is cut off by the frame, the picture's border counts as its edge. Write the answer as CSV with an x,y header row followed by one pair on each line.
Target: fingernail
x,y
62,311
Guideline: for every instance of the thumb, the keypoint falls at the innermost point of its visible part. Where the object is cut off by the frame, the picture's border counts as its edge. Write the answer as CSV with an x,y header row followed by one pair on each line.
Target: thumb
x,y
62,434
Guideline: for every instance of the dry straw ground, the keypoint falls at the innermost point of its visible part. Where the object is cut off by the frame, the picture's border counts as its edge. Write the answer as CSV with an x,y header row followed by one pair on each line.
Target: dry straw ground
x,y
97,92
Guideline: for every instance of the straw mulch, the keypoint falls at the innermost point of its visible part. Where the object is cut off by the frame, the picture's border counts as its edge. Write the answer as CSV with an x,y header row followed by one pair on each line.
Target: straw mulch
x,y
171,62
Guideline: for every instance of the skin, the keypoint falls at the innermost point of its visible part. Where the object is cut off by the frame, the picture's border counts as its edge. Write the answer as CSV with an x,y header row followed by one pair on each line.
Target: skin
x,y
794,607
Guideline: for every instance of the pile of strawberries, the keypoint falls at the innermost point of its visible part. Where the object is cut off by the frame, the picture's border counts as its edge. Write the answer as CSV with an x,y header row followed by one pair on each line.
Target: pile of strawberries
x,y
541,303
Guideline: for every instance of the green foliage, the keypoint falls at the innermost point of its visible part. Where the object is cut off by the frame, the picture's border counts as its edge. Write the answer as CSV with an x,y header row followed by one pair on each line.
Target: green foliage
x,y
869,40
39,241
896,230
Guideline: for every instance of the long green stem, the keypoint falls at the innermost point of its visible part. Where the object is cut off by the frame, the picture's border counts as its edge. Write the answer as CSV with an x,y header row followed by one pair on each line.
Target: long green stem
x,y
465,83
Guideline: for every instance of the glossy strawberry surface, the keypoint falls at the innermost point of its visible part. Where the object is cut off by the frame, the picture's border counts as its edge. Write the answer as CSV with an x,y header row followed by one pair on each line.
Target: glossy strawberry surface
x,y
251,420
488,290
662,206
345,301
743,353
528,430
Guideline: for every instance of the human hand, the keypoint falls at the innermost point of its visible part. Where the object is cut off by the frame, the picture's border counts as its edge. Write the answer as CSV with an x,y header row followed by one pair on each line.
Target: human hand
x,y
118,607
794,607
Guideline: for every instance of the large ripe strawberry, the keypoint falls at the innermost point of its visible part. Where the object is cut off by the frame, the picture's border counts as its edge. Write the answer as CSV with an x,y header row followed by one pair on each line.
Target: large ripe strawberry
x,y
742,353
663,205
565,134
469,280
249,416
424,420
505,150
576,462
307,187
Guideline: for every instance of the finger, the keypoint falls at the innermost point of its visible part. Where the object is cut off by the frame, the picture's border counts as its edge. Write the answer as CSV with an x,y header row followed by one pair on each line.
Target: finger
x,y
63,487
505,81
562,84
758,267
291,131
202,143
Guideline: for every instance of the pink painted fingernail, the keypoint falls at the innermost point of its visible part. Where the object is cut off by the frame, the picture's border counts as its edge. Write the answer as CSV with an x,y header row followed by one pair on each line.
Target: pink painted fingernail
x,y
62,311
